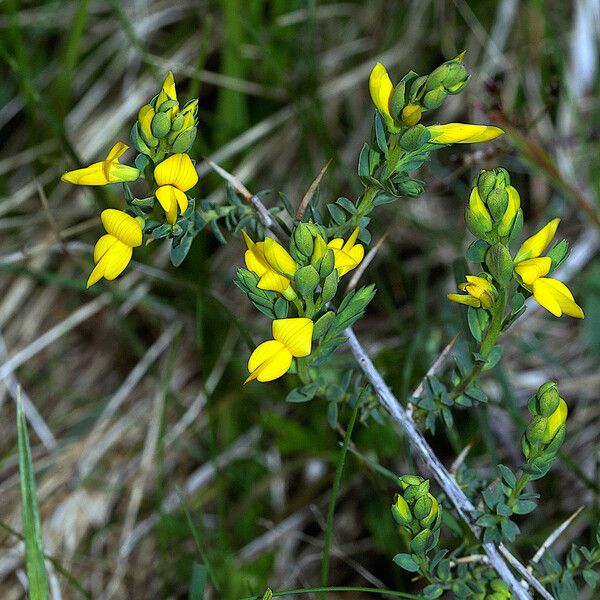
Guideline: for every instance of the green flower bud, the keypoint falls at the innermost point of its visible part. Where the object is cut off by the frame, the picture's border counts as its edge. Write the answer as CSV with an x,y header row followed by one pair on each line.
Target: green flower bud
x,y
398,100
178,122
161,125
415,137
497,203
411,188
555,421
417,87
408,480
411,115
166,105
303,238
422,542
548,399
435,98
422,507
306,280
329,287
499,263
327,264
456,76
401,511
433,518
437,77
183,142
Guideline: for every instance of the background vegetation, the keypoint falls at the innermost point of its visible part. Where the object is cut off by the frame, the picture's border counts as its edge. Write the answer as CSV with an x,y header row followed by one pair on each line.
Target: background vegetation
x,y
132,390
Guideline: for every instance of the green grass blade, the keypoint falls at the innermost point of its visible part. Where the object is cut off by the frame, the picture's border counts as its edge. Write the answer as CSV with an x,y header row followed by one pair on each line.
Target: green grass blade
x,y
32,529
199,577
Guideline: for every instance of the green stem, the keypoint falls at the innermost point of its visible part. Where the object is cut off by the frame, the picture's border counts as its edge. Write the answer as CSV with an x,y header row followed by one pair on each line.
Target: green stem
x,y
489,341
364,590
335,490
524,478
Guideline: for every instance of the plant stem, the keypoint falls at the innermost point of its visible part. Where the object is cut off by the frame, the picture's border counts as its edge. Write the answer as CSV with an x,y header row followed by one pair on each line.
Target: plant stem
x,y
524,478
335,490
365,590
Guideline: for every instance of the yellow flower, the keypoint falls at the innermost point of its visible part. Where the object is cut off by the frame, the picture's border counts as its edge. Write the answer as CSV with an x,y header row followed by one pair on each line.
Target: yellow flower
x,y
113,251
272,359
145,116
556,297
257,263
514,204
279,258
480,293
381,89
531,269
188,113
462,133
347,255
110,170
174,176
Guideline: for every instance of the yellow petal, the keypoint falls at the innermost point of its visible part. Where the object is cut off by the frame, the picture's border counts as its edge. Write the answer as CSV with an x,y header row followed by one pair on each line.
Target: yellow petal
x,y
112,263
124,227
463,133
465,299
255,261
531,269
116,152
270,280
514,203
269,361
294,334
381,89
556,297
351,240
92,175
411,115
278,257
480,282
103,245
538,242
145,116
168,86
479,209
167,198
177,170
556,419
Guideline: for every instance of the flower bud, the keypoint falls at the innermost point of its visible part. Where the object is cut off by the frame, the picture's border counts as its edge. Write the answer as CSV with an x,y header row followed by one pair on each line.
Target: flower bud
x,y
330,286
411,188
421,507
398,100
548,399
433,517
417,87
558,253
401,511
435,98
183,142
306,280
327,263
555,421
497,203
303,239
499,263
161,125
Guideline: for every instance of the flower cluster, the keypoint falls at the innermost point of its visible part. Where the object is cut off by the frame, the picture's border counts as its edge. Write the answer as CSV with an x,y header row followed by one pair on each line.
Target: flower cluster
x,y
163,135
304,279
494,215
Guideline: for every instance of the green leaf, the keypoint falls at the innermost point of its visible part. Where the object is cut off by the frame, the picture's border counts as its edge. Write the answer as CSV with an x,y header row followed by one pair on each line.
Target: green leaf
x,y
198,583
433,591
474,326
493,358
508,476
32,530
477,250
363,162
407,562
509,529
524,507
380,134
337,214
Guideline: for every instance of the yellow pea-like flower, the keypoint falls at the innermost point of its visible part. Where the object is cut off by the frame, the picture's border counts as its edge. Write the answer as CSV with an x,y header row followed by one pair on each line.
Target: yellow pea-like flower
x,y
174,176
110,170
463,133
556,297
381,89
480,293
273,358
531,268
556,420
256,262
113,250
514,204
348,255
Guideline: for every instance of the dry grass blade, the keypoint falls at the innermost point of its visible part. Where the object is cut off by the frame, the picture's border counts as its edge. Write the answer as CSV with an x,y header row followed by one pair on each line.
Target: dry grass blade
x,y
362,267
310,192
554,536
